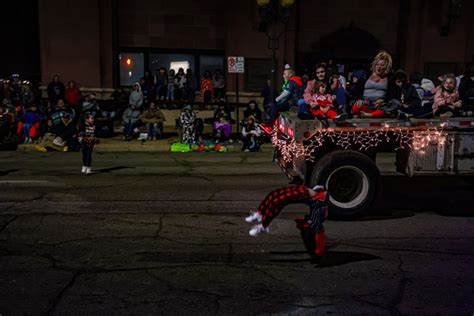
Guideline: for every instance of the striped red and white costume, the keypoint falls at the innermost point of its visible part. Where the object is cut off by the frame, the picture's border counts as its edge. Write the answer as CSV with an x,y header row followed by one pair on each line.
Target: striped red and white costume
x,y
317,200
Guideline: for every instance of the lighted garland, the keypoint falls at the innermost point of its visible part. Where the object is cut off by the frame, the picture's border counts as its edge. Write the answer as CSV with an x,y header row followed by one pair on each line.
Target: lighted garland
x,y
417,140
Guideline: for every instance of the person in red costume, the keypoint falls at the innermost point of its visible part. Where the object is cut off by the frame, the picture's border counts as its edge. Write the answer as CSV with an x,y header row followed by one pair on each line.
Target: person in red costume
x,y
276,200
72,94
322,102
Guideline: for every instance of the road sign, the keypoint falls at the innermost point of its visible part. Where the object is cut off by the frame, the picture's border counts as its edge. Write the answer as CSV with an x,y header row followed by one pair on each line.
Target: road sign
x,y
235,64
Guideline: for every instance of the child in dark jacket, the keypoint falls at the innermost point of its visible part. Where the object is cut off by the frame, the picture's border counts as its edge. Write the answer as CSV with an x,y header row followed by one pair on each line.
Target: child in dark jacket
x,y
88,141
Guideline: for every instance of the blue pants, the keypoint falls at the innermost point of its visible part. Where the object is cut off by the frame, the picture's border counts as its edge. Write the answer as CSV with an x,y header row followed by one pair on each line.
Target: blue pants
x,y
277,108
302,106
87,155
128,128
153,130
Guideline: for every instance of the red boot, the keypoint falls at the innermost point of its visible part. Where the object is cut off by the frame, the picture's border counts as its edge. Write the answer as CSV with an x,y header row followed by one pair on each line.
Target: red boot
x,y
320,240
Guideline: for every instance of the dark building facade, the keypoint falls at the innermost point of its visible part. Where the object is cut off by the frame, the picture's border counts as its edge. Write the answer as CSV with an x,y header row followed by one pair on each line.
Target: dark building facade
x,y
102,44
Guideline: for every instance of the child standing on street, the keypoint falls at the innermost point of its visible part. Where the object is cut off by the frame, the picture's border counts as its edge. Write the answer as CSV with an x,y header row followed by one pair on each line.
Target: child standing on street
x,y
88,141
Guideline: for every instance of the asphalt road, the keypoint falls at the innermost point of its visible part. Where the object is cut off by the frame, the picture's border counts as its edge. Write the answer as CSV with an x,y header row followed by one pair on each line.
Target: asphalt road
x,y
161,234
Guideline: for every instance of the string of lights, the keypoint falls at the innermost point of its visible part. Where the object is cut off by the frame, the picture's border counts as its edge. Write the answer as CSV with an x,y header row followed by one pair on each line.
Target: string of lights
x,y
362,140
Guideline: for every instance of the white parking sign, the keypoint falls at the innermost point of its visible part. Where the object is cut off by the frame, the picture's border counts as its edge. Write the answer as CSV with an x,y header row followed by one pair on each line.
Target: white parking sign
x,y
235,64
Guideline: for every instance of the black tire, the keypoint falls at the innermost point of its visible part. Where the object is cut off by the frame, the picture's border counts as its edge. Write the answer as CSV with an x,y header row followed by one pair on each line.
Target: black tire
x,y
352,180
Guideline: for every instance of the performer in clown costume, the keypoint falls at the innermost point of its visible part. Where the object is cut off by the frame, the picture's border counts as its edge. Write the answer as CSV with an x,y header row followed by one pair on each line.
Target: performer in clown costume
x,y
275,201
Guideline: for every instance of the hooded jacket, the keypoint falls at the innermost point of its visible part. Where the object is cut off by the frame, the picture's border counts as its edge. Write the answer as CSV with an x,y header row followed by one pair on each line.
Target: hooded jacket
x,y
136,96
292,91
131,114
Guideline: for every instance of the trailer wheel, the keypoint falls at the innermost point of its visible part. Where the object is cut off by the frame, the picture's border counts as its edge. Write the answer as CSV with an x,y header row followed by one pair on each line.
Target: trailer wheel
x,y
352,180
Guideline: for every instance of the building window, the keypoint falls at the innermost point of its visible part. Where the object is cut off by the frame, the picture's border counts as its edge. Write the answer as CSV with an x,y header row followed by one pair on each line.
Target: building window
x,y
210,63
131,68
171,61
257,72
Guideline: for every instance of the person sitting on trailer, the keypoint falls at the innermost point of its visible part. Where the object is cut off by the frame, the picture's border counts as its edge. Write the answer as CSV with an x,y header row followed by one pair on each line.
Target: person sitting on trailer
x,y
375,88
292,92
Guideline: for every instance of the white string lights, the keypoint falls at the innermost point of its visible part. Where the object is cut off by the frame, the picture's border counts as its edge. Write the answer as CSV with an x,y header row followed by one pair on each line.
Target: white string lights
x,y
363,139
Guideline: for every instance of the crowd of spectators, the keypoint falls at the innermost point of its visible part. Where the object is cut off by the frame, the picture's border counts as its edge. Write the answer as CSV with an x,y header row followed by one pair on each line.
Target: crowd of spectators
x,y
325,95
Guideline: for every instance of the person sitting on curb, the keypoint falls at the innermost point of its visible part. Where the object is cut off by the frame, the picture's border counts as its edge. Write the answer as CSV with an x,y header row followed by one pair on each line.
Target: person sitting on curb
x,y
251,135
153,119
130,119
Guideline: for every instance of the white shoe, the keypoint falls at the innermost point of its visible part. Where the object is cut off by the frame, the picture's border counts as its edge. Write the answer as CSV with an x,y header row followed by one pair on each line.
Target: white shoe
x,y
254,216
84,169
257,229
88,170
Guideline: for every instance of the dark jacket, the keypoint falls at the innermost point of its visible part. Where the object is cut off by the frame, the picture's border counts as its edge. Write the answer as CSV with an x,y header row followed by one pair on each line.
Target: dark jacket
x,y
255,113
466,91
56,91
295,88
409,93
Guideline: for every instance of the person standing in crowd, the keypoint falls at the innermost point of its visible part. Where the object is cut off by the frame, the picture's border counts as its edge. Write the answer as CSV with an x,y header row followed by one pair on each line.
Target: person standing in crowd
x,y
251,135
88,141
27,96
171,85
190,86
72,95
56,90
219,85
145,90
375,88
161,87
153,119
446,100
136,96
207,87
180,92
148,86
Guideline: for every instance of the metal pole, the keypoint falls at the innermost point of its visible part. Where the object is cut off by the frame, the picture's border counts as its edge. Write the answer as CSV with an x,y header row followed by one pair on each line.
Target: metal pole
x,y
237,123
273,40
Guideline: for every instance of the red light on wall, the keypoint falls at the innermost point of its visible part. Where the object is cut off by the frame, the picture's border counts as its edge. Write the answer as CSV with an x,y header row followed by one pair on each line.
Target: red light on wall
x,y
128,61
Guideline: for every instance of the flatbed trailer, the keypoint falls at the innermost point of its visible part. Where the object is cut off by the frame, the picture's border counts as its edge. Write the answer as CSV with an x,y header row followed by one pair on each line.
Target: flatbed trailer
x,y
344,157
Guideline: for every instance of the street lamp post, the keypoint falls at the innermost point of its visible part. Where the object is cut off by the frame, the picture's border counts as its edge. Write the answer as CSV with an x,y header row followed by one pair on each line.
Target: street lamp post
x,y
274,13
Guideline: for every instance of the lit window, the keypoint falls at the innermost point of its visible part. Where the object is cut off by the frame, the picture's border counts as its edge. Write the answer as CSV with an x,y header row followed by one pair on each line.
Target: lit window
x,y
175,65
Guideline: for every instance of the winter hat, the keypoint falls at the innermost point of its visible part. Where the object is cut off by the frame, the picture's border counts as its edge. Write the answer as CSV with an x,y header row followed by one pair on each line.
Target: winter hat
x,y
287,66
427,85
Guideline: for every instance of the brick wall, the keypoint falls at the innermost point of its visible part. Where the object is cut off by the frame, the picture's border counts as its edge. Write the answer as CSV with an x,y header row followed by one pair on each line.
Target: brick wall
x,y
172,24
320,18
